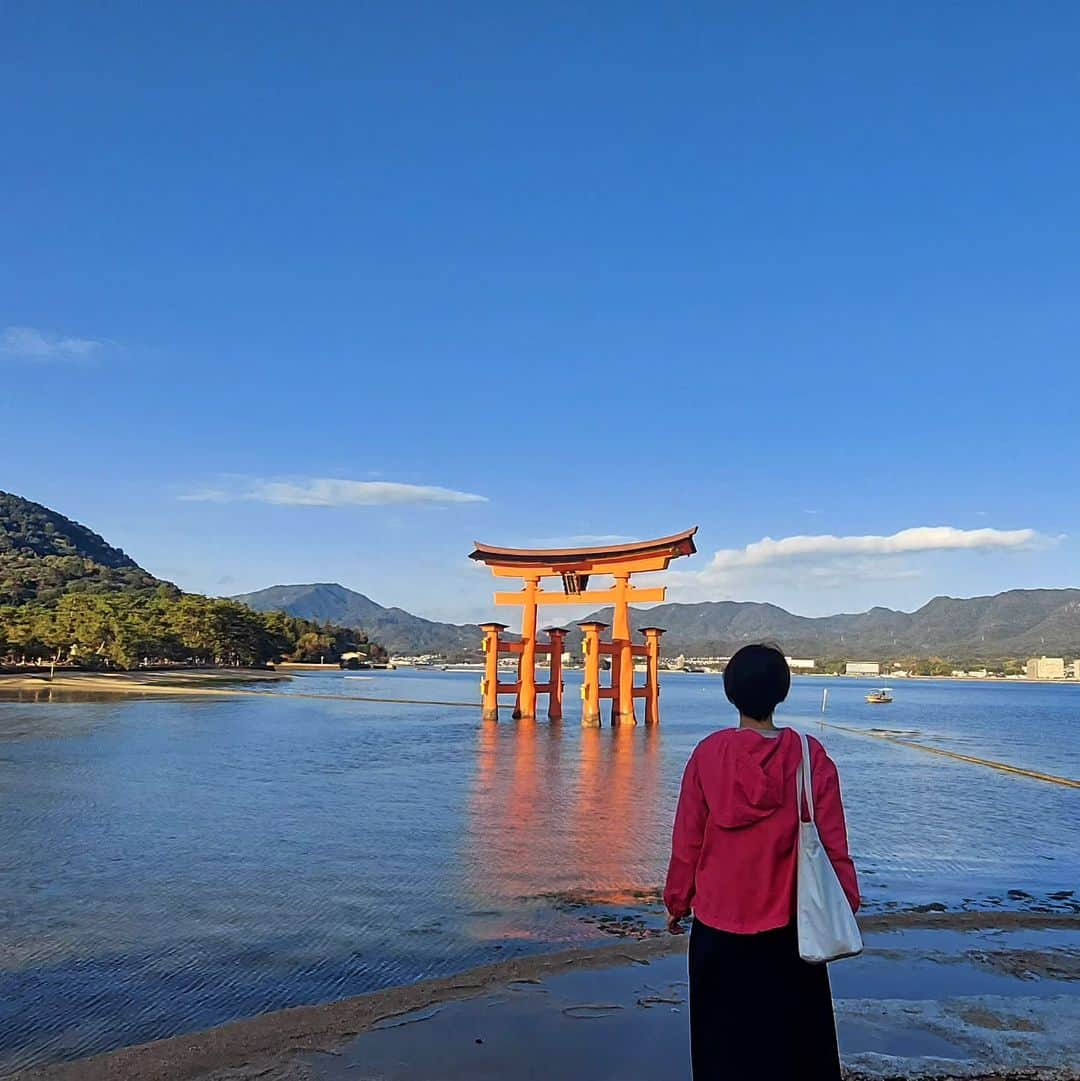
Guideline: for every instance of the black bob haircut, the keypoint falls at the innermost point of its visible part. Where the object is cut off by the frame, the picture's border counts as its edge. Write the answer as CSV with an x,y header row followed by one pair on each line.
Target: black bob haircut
x,y
757,679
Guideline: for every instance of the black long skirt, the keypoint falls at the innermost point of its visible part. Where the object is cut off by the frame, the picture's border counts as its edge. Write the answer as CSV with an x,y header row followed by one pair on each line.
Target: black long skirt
x,y
758,1011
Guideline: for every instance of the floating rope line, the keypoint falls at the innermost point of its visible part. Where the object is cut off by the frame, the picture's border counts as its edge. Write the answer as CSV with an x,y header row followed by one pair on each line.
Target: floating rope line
x,y
1004,767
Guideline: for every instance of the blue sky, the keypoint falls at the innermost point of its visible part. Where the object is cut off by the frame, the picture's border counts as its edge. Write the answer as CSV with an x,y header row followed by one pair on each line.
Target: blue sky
x,y
526,273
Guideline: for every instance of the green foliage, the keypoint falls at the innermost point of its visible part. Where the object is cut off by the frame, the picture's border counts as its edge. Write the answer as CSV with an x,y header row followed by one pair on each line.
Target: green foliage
x,y
43,554
125,630
68,596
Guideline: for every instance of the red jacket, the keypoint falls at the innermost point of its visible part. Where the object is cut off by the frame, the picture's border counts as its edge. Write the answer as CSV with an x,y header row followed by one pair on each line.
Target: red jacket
x,y
733,850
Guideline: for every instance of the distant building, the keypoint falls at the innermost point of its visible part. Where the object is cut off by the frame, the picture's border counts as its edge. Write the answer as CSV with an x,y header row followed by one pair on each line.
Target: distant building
x,y
801,665
1076,669
1046,668
863,668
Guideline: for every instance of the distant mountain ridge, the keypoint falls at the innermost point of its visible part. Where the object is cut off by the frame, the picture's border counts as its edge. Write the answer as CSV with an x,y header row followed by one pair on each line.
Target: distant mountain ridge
x,y
395,629
1018,623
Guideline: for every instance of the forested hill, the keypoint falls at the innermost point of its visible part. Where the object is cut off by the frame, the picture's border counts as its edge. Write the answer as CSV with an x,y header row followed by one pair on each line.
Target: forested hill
x,y
399,631
43,554
69,597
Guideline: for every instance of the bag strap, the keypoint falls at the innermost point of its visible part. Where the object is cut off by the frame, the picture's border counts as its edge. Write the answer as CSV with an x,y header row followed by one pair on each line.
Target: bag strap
x,y
804,780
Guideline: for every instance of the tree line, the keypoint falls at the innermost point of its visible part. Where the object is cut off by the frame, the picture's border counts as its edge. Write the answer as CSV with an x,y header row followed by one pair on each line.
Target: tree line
x,y
129,629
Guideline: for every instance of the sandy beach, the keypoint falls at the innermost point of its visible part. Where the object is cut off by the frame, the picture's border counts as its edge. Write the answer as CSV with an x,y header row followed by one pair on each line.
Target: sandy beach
x,y
970,995
180,681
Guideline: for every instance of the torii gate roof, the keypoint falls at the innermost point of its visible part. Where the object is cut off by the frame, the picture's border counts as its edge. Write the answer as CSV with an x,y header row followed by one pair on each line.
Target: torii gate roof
x,y
650,554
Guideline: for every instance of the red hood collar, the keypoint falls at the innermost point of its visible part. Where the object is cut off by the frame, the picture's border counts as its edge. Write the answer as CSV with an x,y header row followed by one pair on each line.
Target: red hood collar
x,y
742,774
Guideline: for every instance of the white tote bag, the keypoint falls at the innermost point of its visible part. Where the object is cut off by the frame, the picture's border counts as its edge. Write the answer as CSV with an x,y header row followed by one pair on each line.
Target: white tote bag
x,y
827,927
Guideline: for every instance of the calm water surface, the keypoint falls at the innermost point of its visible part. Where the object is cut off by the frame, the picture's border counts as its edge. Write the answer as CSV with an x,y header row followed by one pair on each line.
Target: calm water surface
x,y
172,864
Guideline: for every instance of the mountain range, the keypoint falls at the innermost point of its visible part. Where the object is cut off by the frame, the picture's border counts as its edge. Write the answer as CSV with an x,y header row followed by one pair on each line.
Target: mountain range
x,y
396,630
1014,624
44,555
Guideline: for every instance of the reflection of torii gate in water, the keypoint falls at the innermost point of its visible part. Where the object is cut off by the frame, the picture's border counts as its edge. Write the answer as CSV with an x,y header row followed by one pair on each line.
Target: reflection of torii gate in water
x,y
575,566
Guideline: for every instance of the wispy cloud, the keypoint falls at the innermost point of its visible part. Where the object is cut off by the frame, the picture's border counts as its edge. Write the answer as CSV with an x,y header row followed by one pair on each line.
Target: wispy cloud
x,y
326,492
580,540
822,561
31,344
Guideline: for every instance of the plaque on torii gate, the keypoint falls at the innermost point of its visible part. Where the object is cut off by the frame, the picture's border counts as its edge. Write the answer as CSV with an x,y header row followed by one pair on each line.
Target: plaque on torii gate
x,y
575,567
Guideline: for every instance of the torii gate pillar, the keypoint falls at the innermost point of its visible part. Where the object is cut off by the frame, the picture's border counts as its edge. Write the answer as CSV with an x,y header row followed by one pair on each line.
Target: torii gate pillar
x,y
590,687
652,673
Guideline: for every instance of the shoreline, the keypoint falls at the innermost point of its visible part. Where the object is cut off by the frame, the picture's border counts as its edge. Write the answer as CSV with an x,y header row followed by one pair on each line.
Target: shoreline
x,y
279,1044
182,681
885,678
321,1028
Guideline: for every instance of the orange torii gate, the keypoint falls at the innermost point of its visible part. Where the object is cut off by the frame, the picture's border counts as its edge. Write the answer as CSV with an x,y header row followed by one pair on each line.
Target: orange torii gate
x,y
575,566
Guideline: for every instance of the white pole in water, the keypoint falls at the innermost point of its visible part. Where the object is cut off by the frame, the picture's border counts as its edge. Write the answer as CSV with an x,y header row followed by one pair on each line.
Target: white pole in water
x,y
824,699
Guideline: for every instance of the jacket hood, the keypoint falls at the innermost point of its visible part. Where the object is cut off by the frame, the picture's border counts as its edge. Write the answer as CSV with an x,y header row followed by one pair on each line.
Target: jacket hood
x,y
743,775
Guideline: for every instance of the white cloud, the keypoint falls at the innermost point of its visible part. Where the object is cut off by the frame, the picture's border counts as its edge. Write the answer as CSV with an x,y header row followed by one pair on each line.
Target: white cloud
x,y
326,492
919,539
34,344
769,568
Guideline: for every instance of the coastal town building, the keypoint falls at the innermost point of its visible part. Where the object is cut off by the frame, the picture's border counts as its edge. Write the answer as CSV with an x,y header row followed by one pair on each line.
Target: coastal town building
x,y
862,668
1076,669
1046,668
797,664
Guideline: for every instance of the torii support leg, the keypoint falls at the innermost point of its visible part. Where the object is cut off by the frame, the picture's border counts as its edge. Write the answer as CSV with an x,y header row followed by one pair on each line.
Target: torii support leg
x,y
557,638
590,688
489,685
652,674
622,663
527,696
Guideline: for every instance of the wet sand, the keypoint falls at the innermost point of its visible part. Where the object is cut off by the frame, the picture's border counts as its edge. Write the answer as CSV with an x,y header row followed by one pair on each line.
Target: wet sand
x,y
962,995
182,681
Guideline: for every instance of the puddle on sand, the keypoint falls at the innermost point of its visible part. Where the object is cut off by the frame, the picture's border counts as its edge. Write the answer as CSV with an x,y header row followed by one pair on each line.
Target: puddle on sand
x,y
858,1036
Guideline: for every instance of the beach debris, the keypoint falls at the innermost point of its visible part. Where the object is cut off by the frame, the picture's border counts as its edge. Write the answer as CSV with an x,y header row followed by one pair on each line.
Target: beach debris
x,y
658,1000
592,1011
405,1017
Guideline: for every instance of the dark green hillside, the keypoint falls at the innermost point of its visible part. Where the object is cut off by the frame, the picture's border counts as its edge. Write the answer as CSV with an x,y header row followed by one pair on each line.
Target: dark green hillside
x,y
43,554
67,596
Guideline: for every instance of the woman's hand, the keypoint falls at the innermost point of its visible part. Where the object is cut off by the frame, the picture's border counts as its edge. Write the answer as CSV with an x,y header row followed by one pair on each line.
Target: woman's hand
x,y
674,925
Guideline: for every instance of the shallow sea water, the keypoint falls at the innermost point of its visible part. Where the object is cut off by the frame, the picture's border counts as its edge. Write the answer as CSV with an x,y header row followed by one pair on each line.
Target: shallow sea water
x,y
170,864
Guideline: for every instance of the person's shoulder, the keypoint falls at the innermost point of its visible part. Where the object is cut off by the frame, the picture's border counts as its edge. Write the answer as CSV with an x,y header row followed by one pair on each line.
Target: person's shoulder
x,y
819,752
715,740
